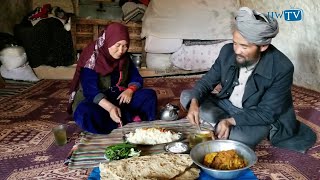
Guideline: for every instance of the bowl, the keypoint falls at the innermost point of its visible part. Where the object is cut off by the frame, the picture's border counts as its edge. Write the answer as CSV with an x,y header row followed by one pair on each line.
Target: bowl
x,y
176,147
198,152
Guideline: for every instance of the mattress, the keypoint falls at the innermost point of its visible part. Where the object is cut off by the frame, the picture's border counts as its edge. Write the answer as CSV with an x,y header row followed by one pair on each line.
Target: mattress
x,y
189,19
162,45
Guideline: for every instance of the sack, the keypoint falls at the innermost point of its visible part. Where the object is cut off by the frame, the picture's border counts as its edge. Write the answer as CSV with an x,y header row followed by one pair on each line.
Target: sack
x,y
23,73
13,57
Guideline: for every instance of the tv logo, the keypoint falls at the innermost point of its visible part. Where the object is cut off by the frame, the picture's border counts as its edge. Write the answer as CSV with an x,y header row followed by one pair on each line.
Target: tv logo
x,y
288,15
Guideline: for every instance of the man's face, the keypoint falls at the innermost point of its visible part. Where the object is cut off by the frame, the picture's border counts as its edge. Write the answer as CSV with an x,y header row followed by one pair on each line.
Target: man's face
x,y
247,53
118,49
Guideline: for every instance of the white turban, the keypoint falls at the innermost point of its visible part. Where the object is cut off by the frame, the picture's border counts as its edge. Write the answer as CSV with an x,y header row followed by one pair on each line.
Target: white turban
x,y
259,32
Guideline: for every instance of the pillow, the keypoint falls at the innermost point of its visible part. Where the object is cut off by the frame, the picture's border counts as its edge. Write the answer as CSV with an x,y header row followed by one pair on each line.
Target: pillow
x,y
133,11
23,73
13,57
197,57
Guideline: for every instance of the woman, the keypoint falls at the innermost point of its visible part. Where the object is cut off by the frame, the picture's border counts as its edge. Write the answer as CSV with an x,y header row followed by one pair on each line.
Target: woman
x,y
106,90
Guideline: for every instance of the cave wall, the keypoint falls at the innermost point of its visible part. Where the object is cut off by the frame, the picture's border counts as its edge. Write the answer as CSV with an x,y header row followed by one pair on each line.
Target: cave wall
x,y
296,39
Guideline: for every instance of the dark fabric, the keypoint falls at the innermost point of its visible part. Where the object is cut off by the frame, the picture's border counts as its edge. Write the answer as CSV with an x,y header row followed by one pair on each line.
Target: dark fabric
x,y
93,118
267,99
7,40
46,43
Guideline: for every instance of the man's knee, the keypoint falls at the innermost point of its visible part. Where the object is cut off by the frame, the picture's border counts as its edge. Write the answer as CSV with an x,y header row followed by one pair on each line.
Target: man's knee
x,y
185,98
249,135
210,112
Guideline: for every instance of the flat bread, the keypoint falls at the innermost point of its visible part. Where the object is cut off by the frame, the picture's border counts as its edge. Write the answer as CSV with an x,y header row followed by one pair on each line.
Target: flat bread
x,y
157,166
191,173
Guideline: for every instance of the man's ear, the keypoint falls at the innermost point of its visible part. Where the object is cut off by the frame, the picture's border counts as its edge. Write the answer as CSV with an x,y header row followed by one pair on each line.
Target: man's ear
x,y
264,47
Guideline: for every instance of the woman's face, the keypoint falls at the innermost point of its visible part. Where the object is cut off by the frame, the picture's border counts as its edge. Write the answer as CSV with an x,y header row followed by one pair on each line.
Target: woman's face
x,y
118,49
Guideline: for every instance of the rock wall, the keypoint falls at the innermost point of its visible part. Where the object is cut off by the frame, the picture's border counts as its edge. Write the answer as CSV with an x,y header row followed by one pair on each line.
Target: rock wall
x,y
12,12
296,39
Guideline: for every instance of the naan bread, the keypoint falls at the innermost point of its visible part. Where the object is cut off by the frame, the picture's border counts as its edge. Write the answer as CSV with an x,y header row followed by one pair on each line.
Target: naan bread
x,y
191,173
158,166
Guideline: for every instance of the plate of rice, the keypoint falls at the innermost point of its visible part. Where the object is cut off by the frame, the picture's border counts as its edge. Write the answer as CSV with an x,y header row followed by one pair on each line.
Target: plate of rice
x,y
152,136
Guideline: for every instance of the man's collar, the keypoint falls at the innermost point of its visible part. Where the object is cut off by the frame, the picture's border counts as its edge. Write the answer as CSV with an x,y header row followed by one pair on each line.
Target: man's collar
x,y
264,67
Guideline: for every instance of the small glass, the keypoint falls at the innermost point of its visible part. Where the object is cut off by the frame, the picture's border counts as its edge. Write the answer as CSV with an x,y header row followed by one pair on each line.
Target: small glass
x,y
199,137
60,134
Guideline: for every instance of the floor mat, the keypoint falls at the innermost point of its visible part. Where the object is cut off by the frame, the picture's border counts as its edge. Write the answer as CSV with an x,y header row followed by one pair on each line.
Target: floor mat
x,y
28,150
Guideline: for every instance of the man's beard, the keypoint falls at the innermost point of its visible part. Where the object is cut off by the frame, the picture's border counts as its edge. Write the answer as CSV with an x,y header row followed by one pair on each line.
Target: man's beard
x,y
246,62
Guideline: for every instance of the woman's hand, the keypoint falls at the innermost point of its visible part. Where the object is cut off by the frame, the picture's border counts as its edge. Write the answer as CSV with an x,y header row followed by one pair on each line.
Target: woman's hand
x,y
125,96
114,111
115,114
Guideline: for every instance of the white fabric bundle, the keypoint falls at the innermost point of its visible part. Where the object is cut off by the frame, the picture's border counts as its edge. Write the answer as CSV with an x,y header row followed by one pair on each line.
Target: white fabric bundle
x,y
23,73
15,66
13,57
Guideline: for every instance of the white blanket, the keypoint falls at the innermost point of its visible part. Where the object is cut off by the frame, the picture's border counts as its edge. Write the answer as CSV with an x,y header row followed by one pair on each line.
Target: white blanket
x,y
189,19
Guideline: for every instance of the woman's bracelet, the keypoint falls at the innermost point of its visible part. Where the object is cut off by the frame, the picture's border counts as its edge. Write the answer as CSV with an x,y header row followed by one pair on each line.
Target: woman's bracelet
x,y
133,88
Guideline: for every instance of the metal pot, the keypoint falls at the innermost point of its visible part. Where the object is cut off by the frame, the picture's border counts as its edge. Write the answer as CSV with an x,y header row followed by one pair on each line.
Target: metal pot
x,y
169,112
137,60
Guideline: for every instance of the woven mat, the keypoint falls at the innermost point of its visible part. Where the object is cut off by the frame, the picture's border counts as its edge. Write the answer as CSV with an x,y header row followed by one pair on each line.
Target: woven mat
x,y
90,150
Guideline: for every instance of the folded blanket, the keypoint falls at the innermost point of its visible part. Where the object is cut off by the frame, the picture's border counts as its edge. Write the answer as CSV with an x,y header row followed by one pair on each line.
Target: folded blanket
x,y
133,11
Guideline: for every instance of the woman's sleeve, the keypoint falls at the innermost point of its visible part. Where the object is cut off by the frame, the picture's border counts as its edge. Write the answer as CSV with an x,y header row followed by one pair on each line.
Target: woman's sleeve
x,y
135,79
89,82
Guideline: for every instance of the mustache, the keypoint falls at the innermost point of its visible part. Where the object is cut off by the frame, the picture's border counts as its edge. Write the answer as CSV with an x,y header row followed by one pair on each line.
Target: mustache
x,y
239,56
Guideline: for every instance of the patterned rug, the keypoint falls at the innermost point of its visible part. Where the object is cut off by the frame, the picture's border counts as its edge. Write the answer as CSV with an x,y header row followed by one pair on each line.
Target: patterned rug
x,y
13,87
28,151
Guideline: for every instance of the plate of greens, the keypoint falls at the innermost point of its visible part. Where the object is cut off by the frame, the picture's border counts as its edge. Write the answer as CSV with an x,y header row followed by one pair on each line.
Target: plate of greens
x,y
121,151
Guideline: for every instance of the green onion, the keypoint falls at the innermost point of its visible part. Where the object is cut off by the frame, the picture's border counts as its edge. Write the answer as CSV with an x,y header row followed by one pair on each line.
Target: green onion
x,y
121,151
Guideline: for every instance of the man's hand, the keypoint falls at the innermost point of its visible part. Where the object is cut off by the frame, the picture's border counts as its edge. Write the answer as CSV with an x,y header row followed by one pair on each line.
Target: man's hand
x,y
193,113
125,96
223,128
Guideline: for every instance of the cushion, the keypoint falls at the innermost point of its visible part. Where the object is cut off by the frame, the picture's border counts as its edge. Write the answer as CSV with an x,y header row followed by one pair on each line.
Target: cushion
x,y
197,57
23,73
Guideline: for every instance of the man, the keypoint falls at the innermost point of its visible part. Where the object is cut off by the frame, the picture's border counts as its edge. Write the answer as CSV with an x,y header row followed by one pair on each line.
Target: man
x,y
255,101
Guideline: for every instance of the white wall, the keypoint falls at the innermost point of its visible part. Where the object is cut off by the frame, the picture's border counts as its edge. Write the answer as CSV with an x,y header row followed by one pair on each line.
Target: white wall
x,y
299,40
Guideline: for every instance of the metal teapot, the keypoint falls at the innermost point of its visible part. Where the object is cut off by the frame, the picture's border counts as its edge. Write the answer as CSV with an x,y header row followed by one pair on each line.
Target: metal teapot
x,y
137,60
169,112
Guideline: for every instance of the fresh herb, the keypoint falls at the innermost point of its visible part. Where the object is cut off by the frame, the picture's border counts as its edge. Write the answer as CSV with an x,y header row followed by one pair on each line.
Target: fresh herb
x,y
121,151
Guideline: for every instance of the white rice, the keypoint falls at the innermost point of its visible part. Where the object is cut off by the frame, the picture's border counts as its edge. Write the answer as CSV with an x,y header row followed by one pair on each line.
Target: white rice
x,y
152,136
